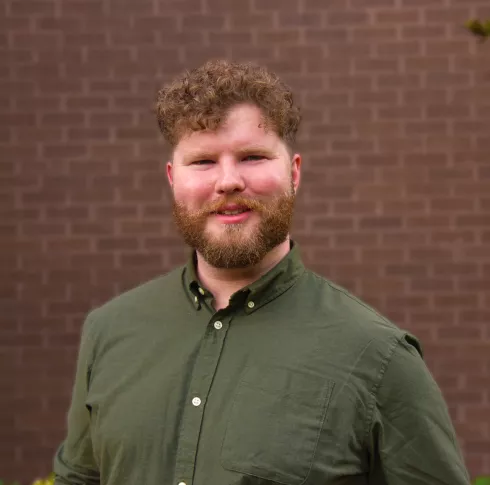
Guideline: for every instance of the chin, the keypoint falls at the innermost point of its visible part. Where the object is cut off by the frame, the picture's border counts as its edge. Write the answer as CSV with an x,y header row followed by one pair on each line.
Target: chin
x,y
229,234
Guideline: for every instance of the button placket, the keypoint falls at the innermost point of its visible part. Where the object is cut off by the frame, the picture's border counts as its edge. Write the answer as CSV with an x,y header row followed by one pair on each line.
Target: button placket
x,y
200,385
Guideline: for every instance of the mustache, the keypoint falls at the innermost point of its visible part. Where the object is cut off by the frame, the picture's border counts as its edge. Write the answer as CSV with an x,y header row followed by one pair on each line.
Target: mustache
x,y
218,205
265,208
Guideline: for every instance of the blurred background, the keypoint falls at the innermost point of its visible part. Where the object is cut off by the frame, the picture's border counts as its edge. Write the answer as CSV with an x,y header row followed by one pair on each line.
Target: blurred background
x,y
394,203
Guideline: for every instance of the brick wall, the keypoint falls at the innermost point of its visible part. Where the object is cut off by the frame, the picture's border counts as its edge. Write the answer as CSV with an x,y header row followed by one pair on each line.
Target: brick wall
x,y
395,201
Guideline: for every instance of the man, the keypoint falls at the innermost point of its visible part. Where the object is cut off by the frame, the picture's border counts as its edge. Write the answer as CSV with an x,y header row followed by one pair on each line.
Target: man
x,y
243,367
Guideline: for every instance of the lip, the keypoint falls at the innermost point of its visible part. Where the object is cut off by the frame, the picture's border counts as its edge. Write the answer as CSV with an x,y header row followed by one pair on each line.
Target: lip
x,y
233,207
233,219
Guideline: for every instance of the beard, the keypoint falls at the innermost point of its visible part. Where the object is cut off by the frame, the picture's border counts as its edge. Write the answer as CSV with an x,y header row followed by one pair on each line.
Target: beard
x,y
237,246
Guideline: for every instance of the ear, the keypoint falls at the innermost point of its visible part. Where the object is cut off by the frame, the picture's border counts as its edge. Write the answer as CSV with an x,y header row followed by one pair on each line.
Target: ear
x,y
170,173
296,170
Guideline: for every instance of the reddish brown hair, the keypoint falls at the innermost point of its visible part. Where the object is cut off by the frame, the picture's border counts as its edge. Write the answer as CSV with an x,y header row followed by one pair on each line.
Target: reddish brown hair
x,y
200,99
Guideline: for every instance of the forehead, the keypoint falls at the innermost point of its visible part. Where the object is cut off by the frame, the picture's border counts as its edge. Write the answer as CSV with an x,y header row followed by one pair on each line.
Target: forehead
x,y
244,127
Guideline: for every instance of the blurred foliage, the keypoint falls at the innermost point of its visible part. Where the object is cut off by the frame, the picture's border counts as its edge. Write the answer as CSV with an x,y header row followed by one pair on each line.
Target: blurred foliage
x,y
482,481
479,28
40,481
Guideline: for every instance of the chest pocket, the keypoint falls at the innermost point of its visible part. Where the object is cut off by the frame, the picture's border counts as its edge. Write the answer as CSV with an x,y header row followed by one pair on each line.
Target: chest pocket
x,y
274,424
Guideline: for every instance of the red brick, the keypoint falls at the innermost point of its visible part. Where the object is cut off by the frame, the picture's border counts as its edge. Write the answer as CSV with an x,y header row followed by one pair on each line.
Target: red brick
x,y
373,3
454,47
451,237
343,17
141,260
421,31
207,22
91,195
63,119
82,7
350,82
398,80
131,37
376,64
426,64
108,150
380,222
354,207
466,127
84,134
443,79
396,207
34,8
64,151
454,269
191,38
425,127
419,3
404,238
280,37
408,112
146,227
320,5
331,223
395,16
383,255
114,244
452,205
432,285
398,48
457,301
153,22
337,255
66,24
251,21
285,19
312,52
69,245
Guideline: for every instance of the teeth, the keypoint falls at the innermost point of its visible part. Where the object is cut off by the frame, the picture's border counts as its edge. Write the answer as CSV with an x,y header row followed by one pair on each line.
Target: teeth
x,y
232,213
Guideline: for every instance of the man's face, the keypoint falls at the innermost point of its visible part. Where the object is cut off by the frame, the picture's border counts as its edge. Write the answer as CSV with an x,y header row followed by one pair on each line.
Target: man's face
x,y
234,189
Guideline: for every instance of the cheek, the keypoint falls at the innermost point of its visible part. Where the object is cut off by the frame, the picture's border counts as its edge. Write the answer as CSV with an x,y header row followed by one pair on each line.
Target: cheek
x,y
269,183
192,190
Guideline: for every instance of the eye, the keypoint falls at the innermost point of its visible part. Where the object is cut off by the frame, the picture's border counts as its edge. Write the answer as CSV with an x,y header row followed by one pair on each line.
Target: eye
x,y
202,162
254,157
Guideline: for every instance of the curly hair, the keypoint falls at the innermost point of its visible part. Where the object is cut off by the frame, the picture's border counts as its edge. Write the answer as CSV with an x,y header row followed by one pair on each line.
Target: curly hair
x,y
200,99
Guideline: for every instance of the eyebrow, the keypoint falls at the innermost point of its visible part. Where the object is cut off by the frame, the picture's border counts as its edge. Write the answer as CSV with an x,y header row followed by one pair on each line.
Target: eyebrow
x,y
204,155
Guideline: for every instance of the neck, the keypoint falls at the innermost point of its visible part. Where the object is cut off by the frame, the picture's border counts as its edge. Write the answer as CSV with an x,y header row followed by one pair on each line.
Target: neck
x,y
222,283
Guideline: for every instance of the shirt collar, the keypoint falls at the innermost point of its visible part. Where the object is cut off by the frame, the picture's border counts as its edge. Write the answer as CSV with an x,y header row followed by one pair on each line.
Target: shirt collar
x,y
268,287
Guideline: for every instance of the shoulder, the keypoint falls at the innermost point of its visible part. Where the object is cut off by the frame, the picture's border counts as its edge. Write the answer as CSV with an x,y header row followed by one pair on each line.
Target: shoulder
x,y
358,320
143,302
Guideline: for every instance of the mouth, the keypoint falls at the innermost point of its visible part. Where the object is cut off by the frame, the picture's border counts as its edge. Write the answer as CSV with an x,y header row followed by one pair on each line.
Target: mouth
x,y
233,212
233,216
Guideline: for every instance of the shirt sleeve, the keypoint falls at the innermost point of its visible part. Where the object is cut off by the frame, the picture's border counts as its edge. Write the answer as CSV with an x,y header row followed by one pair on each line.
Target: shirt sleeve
x,y
74,462
412,436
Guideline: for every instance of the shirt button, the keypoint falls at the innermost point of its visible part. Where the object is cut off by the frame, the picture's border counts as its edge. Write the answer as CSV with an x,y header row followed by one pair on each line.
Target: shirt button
x,y
218,325
250,304
196,401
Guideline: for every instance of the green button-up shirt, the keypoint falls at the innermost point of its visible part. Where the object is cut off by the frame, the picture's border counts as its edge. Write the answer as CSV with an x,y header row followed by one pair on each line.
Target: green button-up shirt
x,y
295,382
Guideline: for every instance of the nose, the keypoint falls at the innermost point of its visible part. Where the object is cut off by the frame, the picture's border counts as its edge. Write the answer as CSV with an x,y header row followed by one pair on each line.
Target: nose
x,y
230,179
